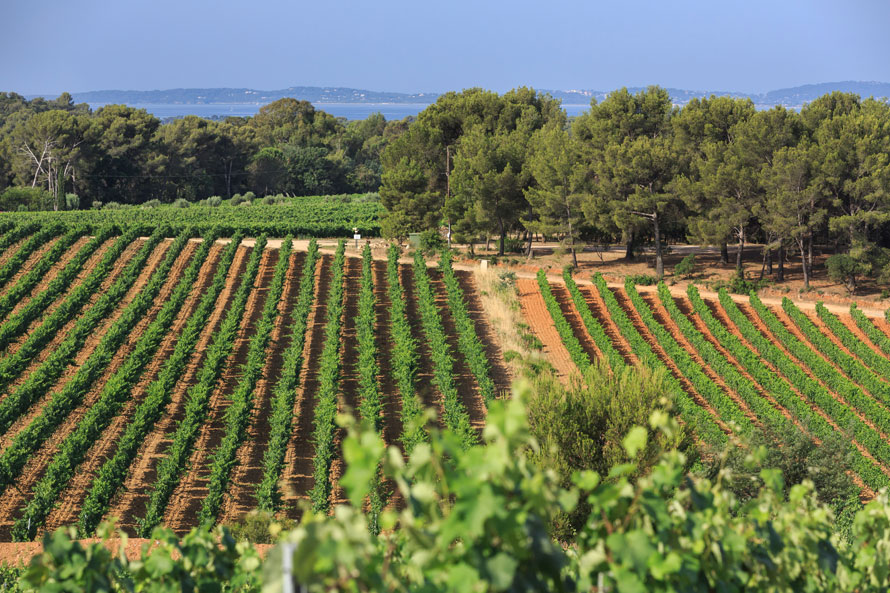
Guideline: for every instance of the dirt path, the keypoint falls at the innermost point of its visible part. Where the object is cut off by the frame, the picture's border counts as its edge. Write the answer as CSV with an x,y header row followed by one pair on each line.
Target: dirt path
x,y
541,324
296,477
131,501
426,391
37,464
248,471
187,498
71,499
29,263
567,306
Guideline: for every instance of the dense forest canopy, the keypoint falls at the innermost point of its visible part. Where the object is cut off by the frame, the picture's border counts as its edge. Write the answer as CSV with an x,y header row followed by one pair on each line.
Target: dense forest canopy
x,y
637,169
125,155
634,168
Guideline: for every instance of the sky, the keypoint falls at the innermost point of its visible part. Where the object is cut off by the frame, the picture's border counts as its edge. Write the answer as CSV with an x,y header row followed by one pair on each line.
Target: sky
x,y
424,46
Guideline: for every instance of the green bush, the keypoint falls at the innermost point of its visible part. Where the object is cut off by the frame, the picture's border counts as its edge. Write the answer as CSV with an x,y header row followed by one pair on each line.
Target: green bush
x,y
686,267
26,199
845,269
72,201
641,279
431,241
181,203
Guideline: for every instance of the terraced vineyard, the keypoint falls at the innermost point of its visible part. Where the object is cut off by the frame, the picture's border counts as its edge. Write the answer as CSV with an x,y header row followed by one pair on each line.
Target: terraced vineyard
x,y
177,379
733,365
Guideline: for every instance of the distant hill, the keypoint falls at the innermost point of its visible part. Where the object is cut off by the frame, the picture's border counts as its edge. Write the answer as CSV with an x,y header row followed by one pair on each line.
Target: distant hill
x,y
312,94
794,97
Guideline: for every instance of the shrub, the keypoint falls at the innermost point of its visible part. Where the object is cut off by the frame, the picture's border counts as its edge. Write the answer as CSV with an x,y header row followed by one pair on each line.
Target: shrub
x,y
26,198
686,267
238,199
581,427
152,203
739,285
641,280
845,269
512,245
431,241
111,206
181,203
72,201
259,527
214,201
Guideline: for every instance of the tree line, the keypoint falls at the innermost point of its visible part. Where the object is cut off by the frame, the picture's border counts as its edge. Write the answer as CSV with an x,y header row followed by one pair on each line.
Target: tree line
x,y
125,155
636,169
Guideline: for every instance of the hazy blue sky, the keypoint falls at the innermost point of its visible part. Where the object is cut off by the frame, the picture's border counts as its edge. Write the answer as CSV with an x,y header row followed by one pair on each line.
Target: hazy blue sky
x,y
752,45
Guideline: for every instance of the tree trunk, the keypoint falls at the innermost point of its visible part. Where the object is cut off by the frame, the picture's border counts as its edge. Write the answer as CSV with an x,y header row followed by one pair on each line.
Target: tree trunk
x,y
810,255
629,246
528,248
724,254
739,254
803,261
659,260
502,240
763,263
780,272
769,261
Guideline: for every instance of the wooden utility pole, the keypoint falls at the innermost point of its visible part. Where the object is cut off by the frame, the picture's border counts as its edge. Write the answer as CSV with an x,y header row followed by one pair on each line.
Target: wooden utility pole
x,y
448,187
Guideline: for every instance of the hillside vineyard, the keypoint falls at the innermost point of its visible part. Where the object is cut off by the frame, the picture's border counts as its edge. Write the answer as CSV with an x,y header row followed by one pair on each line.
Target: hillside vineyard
x,y
191,376
184,379
732,365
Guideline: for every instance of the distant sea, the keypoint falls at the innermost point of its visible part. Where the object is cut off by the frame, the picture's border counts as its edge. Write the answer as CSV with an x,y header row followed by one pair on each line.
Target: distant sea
x,y
390,111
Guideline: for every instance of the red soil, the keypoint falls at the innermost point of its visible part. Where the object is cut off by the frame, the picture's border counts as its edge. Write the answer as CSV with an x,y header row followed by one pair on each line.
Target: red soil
x,y
598,308
186,500
635,318
663,317
130,503
429,395
29,263
392,407
561,293
349,397
296,478
72,497
541,324
12,505
464,380
249,469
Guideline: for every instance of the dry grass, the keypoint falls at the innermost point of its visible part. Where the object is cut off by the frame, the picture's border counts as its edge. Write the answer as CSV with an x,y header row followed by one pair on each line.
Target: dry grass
x,y
500,302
